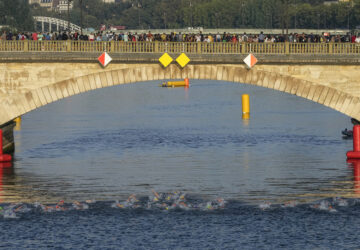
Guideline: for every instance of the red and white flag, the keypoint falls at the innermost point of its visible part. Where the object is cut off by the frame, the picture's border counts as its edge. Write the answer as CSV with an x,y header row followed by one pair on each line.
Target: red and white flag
x,y
104,59
250,60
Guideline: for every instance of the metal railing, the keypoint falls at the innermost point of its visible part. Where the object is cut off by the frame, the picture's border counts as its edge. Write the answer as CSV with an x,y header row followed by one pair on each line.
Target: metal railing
x,y
179,47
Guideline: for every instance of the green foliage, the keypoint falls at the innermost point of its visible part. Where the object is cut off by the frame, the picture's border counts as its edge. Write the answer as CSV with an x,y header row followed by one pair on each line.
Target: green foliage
x,y
16,14
194,13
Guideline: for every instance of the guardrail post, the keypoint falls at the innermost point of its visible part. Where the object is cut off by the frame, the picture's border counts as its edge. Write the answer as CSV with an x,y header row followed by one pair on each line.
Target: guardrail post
x,y
26,45
156,48
68,45
331,48
112,45
198,44
287,48
243,48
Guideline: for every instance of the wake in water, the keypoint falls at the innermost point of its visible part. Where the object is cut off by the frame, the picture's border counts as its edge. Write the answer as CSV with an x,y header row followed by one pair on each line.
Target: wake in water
x,y
177,201
156,201
169,201
328,205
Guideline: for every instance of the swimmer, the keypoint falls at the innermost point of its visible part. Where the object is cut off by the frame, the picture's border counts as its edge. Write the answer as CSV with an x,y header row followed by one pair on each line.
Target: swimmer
x,y
221,202
10,214
209,206
183,205
18,208
340,202
156,194
132,199
331,209
114,205
324,205
44,208
290,204
265,205
60,206
79,206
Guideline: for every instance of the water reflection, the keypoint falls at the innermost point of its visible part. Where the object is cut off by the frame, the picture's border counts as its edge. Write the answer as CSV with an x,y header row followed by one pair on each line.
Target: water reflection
x,y
17,124
6,172
355,164
112,142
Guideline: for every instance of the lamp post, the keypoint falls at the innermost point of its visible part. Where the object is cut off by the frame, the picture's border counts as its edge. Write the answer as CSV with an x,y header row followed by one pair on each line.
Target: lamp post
x,y
81,16
191,14
68,14
138,7
295,7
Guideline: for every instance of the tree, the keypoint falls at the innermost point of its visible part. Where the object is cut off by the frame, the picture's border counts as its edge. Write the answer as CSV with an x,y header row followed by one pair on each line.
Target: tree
x,y
16,14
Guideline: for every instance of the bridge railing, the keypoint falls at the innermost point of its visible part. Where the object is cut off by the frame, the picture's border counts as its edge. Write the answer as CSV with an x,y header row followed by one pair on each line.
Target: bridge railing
x,y
11,46
179,47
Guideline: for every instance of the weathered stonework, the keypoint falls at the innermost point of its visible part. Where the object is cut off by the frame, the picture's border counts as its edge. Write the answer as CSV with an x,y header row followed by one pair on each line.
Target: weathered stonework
x,y
25,86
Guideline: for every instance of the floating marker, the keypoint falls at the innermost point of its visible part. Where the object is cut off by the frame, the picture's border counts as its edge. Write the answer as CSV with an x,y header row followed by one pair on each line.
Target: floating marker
x,y
355,154
250,60
104,59
245,106
17,123
185,83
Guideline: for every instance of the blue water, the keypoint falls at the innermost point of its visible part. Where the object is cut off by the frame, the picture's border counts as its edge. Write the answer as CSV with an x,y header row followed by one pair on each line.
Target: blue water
x,y
107,144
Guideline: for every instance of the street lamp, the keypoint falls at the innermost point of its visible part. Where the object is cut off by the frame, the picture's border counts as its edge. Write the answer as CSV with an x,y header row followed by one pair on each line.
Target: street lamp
x,y
81,16
68,13
138,7
191,15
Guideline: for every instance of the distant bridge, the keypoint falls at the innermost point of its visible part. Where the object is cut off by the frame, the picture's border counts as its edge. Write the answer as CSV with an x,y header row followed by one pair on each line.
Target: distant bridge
x,y
58,23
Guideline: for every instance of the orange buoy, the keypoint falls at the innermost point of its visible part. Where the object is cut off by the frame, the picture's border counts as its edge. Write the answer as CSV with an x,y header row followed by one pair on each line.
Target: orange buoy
x,y
187,82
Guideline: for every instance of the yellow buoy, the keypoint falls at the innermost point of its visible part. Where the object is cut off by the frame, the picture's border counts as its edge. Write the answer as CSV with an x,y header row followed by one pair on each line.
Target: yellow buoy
x,y
245,106
17,121
173,84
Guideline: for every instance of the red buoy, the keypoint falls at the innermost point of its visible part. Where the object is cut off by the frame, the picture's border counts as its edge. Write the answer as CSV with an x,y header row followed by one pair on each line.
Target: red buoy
x,y
355,154
3,157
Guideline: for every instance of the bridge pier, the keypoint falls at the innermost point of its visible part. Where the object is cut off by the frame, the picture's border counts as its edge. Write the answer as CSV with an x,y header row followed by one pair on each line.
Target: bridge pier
x,y
8,137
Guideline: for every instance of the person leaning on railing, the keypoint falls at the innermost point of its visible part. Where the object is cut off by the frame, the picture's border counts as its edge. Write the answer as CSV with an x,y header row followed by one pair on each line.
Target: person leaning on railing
x,y
179,37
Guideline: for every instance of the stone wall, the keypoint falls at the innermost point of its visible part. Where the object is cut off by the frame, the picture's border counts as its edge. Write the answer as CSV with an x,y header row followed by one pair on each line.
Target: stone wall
x,y
27,82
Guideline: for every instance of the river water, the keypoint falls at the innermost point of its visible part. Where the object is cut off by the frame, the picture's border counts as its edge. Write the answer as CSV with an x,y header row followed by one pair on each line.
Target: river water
x,y
282,176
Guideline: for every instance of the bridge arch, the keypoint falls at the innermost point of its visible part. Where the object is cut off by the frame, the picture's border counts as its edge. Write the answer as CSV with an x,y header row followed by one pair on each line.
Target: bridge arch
x,y
325,95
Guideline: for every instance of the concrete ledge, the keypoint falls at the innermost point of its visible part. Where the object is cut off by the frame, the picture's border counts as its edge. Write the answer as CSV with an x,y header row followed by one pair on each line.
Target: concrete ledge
x,y
87,57
8,137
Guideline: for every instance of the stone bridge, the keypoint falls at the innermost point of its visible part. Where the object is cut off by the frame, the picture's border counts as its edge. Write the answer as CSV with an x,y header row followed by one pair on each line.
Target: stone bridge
x,y
29,80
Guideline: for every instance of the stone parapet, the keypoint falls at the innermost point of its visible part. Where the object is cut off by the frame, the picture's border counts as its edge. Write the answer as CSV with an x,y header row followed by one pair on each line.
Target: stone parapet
x,y
145,58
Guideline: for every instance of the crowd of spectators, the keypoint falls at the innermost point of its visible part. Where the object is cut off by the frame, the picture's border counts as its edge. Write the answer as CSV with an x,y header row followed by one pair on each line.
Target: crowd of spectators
x,y
179,37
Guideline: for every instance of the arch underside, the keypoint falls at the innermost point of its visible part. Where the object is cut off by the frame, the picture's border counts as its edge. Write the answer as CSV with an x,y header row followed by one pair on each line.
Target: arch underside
x,y
327,96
